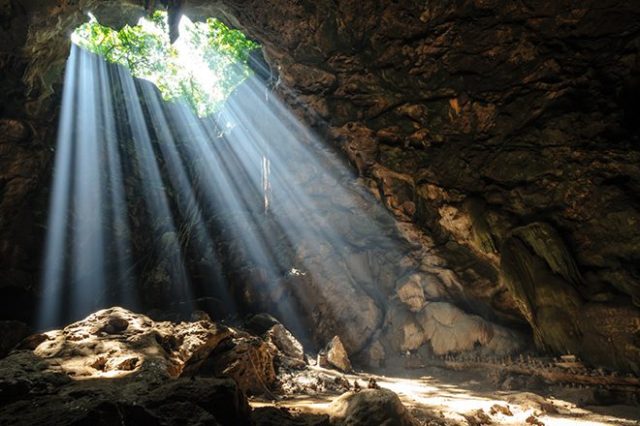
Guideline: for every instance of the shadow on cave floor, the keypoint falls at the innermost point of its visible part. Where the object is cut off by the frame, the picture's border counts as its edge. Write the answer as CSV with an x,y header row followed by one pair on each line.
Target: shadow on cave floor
x,y
462,398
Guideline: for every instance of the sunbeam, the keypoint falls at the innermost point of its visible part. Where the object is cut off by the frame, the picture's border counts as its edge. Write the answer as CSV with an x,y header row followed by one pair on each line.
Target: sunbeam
x,y
238,174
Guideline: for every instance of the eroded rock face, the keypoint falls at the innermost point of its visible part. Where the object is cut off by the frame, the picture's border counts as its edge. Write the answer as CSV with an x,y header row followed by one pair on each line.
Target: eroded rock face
x,y
473,128
249,361
116,342
118,367
450,330
469,122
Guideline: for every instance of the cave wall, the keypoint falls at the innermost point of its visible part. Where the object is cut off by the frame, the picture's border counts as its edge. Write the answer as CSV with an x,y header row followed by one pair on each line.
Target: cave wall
x,y
505,130
501,136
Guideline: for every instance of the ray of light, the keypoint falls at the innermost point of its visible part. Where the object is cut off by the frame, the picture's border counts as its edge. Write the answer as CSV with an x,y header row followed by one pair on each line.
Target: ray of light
x,y
87,265
53,268
261,183
155,197
188,205
120,236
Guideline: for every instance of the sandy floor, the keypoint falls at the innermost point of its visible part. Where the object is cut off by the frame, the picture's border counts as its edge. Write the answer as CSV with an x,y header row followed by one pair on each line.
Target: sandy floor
x,y
458,398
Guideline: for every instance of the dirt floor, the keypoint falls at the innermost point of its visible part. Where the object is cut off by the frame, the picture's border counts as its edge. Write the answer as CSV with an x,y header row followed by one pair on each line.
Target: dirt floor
x,y
437,396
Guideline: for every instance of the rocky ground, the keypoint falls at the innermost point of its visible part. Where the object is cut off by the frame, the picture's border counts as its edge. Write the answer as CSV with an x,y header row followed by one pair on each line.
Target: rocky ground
x,y
119,367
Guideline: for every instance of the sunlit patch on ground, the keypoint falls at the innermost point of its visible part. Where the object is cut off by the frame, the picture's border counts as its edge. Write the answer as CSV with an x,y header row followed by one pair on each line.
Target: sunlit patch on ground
x,y
454,398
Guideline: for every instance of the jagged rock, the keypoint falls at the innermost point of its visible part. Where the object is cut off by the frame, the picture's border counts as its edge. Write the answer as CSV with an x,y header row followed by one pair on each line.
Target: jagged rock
x,y
115,342
359,143
223,398
321,360
396,190
291,350
607,336
339,303
12,131
249,360
370,407
134,364
413,336
337,355
198,342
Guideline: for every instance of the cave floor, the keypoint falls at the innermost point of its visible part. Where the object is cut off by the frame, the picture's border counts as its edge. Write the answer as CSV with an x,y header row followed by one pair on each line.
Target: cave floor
x,y
437,396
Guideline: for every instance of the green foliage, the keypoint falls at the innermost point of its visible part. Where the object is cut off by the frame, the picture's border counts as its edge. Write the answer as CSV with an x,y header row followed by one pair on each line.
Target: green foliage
x,y
203,67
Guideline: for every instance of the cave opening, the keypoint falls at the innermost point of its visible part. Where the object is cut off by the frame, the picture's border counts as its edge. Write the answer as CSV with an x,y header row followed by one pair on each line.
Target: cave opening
x,y
317,213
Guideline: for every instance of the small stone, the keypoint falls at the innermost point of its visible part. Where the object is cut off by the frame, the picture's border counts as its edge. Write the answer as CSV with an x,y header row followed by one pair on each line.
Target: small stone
x,y
322,360
502,409
261,323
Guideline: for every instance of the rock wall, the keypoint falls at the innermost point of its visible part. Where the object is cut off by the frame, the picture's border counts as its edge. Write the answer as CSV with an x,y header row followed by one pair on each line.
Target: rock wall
x,y
500,135
484,122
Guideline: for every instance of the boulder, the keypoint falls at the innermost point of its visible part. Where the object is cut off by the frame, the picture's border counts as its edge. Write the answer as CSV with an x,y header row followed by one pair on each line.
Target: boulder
x,y
260,323
135,368
291,352
370,407
116,342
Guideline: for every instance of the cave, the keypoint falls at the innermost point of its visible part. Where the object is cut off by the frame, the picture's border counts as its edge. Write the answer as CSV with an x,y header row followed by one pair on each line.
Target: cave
x,y
303,212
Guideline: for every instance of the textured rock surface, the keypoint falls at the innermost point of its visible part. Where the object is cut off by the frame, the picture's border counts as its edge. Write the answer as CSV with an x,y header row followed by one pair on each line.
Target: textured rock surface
x,y
450,330
286,342
115,343
469,121
369,407
118,367
249,361
337,355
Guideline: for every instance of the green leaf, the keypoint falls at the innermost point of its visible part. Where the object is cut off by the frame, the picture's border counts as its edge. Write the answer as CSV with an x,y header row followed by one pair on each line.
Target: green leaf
x,y
147,52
